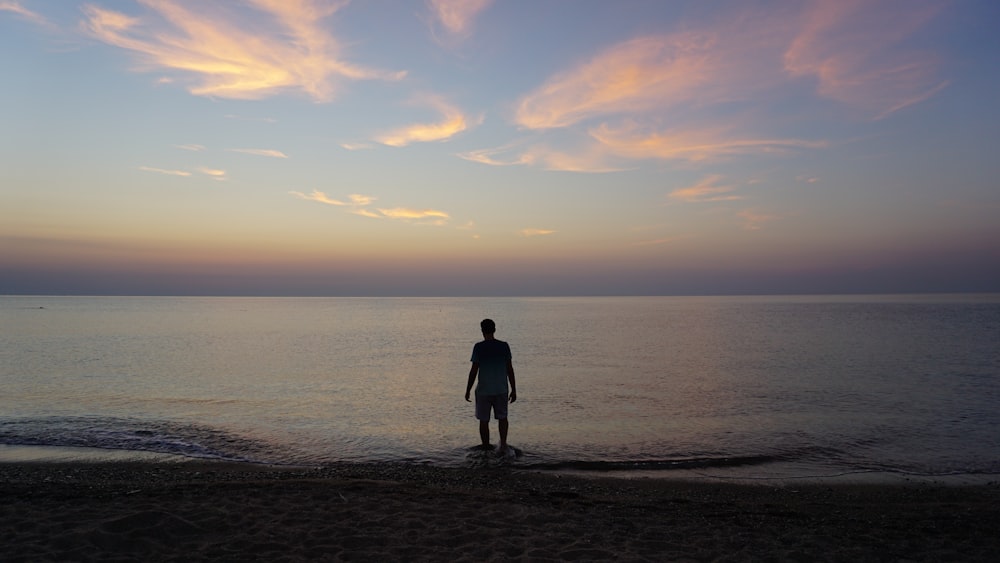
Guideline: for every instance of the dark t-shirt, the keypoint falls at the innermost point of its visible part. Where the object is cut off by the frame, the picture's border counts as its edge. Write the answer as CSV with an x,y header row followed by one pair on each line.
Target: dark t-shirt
x,y
492,357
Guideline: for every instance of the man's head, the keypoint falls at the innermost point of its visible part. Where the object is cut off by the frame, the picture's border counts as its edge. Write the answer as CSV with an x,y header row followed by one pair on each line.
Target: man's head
x,y
488,326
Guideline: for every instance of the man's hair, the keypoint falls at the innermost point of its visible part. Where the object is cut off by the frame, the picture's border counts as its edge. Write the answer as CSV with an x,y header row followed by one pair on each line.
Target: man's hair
x,y
488,326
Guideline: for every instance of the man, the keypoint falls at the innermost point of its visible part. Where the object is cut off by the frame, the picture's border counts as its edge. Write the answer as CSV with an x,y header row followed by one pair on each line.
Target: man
x,y
491,361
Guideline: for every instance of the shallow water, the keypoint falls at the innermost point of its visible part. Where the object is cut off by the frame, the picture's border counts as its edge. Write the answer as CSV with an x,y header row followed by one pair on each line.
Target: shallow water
x,y
750,387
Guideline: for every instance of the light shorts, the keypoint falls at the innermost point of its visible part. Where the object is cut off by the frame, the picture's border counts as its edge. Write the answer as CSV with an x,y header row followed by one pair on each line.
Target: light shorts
x,y
486,402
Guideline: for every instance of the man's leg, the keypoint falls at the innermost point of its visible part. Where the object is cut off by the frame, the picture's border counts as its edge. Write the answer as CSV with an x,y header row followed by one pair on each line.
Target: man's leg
x,y
503,434
484,432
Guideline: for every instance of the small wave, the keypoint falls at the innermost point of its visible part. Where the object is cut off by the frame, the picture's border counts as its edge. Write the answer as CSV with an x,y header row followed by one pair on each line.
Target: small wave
x,y
652,464
111,433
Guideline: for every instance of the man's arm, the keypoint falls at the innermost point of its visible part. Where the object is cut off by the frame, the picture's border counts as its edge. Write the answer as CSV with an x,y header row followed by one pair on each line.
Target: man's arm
x,y
513,384
472,379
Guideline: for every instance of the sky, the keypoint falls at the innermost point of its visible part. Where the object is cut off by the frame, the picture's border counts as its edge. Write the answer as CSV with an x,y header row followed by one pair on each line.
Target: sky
x,y
505,147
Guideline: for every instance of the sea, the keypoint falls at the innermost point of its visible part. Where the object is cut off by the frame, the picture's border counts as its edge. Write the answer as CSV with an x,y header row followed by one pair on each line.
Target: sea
x,y
742,388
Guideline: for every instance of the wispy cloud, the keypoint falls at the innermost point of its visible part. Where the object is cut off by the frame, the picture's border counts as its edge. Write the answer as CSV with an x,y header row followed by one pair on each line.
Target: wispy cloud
x,y
261,152
367,213
456,16
234,53
320,197
707,189
659,96
754,220
693,145
358,199
164,171
425,216
530,232
192,147
357,204
20,10
508,155
647,73
593,160
453,122
214,173
356,146
855,51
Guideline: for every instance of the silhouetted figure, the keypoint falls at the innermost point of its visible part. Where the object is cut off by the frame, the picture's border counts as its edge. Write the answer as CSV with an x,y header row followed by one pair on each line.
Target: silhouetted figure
x,y
491,362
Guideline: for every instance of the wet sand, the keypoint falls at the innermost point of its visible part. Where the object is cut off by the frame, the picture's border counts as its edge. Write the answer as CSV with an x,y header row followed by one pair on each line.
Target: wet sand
x,y
200,512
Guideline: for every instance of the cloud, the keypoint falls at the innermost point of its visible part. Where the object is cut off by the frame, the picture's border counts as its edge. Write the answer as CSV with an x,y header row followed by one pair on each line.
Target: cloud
x,y
236,53
164,171
753,219
590,161
456,16
367,213
358,199
643,74
495,156
453,122
358,203
420,216
20,10
855,50
535,232
320,197
214,173
261,152
706,190
356,146
693,145
192,147
701,93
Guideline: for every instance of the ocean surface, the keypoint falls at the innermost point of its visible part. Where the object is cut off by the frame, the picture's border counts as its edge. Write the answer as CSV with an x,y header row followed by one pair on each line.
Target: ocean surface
x,y
751,388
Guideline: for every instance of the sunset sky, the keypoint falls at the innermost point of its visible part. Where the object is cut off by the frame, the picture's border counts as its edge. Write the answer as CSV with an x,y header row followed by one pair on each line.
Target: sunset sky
x,y
506,147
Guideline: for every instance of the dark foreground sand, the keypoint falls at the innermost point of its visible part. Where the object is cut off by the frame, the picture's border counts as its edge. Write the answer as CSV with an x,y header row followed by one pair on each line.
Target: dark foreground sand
x,y
188,512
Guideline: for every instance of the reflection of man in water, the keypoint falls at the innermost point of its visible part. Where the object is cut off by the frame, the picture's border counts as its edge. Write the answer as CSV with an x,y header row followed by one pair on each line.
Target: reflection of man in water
x,y
491,362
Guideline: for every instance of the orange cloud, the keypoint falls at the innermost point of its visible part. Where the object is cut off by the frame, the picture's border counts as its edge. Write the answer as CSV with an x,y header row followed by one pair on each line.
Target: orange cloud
x,y
358,204
355,146
855,49
852,49
164,171
230,58
691,145
536,232
753,219
456,16
591,160
495,156
643,74
405,213
261,152
214,173
17,8
453,123
708,189
319,197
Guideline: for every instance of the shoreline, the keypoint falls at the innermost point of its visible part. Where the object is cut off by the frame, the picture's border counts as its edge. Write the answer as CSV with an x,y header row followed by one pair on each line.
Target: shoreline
x,y
39,454
226,511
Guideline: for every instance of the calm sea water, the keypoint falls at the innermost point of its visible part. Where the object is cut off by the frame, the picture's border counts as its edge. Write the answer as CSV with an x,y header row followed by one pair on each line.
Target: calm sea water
x,y
728,387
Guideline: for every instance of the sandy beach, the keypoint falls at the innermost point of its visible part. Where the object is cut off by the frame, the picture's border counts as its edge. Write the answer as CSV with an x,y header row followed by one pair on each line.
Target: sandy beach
x,y
193,512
